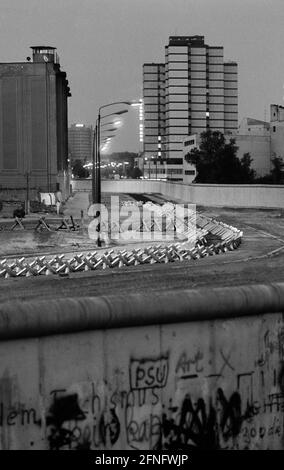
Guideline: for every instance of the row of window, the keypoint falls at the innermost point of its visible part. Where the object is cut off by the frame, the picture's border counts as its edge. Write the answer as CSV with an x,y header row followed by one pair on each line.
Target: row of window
x,y
182,109
189,142
158,171
163,171
175,171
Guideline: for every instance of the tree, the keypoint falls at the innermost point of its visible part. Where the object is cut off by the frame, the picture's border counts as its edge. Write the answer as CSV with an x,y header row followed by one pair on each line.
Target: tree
x,y
135,173
216,161
276,174
277,171
79,171
247,172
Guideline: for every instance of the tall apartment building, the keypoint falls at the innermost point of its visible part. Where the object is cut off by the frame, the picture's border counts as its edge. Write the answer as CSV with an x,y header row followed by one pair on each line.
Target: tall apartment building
x,y
80,139
154,116
196,91
33,123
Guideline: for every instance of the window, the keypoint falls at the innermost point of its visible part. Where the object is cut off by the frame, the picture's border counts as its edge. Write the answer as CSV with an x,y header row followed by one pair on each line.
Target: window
x,y
274,128
189,172
174,171
189,142
174,161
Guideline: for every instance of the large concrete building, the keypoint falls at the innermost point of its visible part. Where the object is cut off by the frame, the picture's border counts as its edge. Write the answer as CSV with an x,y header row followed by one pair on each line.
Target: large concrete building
x,y
80,139
194,90
33,123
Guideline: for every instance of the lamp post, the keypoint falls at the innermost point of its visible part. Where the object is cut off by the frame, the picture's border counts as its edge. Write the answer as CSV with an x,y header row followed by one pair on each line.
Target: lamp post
x,y
94,162
128,103
27,204
99,136
96,180
96,196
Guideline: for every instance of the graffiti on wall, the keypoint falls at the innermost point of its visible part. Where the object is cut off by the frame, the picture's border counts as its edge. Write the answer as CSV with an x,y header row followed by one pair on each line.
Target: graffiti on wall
x,y
188,398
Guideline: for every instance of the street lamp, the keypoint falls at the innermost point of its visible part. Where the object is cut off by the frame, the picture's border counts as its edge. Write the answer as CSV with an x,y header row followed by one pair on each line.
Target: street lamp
x,y
96,184
96,197
94,162
117,113
112,129
111,123
128,103
96,175
27,208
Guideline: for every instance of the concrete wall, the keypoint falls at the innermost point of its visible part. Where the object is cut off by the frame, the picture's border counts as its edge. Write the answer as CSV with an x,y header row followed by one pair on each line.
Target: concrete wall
x,y
194,368
225,195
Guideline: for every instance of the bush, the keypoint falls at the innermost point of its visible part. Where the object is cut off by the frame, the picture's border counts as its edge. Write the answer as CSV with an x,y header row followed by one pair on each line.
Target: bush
x,y
19,213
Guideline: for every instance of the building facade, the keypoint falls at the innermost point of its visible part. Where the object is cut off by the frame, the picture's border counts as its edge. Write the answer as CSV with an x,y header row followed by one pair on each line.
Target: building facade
x,y
277,130
253,136
154,120
195,90
33,123
80,139
261,139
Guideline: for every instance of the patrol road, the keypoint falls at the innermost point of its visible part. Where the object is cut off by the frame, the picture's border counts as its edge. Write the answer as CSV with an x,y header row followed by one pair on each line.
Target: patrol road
x,y
259,259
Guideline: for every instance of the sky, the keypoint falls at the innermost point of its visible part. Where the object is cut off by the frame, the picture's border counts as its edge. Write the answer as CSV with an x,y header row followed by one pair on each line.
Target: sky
x,y
103,44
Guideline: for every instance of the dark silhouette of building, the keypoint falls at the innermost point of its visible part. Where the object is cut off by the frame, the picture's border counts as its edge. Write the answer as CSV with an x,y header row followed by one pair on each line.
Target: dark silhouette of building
x,y
80,140
33,123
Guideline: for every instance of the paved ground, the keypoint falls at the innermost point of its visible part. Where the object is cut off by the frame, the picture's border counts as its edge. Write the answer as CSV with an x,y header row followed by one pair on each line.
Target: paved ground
x,y
259,259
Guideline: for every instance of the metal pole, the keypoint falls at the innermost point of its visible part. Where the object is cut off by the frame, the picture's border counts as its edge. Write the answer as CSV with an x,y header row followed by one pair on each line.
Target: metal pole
x,y
98,154
94,165
47,126
99,159
28,195
96,175
99,175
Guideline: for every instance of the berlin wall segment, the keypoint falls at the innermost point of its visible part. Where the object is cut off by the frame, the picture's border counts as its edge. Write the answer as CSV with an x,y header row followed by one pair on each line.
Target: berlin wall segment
x,y
209,385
